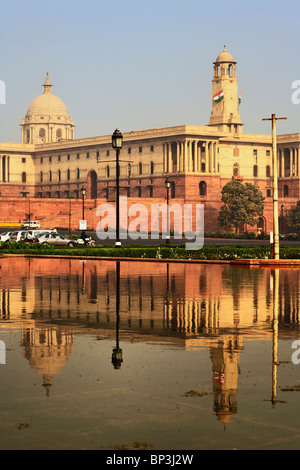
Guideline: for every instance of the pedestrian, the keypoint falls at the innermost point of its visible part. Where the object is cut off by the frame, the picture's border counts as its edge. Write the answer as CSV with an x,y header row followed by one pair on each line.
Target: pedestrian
x,y
84,237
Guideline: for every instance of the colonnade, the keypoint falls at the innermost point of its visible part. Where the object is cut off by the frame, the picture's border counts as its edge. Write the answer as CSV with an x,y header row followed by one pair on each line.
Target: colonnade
x,y
31,134
288,161
4,168
190,156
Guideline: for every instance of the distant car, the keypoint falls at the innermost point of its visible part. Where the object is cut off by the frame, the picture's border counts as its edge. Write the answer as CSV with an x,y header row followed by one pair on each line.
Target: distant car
x,y
54,238
39,233
4,236
31,224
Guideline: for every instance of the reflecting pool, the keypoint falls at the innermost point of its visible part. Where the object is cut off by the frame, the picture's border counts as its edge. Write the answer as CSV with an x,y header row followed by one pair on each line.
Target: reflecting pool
x,y
110,355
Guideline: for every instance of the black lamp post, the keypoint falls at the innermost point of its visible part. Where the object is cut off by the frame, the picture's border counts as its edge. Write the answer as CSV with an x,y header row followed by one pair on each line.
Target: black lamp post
x,y
117,140
167,186
282,209
83,192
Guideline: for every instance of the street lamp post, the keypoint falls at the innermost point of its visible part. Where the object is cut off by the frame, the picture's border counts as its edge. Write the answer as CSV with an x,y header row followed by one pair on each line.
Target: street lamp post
x,y
117,140
275,186
167,186
83,192
282,209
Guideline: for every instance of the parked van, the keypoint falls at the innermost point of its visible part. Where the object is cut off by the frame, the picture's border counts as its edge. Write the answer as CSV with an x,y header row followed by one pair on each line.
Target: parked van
x,y
31,224
38,233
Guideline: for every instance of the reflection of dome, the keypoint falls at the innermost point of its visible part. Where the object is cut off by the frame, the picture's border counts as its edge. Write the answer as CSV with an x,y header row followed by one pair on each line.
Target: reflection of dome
x,y
224,56
47,350
47,119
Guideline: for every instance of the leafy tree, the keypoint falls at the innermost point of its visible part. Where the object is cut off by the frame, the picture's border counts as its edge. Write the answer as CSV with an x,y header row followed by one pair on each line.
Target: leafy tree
x,y
243,204
28,215
293,217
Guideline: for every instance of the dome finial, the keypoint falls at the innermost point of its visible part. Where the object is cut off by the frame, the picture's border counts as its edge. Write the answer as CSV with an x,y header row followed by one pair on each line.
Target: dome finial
x,y
47,85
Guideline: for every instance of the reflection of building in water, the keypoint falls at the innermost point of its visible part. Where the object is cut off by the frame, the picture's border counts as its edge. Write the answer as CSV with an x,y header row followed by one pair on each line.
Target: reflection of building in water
x,y
216,307
47,350
225,365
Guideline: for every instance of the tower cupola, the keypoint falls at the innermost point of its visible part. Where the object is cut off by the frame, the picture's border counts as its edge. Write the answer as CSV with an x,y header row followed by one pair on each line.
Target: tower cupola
x,y
225,114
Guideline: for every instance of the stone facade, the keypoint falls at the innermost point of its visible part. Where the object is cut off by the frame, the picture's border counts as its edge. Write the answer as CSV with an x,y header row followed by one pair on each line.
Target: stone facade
x,y
199,160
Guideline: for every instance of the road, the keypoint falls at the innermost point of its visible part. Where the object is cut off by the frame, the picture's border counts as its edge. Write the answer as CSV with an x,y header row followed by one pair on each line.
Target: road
x,y
183,241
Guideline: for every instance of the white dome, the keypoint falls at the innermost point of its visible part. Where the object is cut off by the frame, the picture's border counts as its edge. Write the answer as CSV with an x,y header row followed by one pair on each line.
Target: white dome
x,y
47,104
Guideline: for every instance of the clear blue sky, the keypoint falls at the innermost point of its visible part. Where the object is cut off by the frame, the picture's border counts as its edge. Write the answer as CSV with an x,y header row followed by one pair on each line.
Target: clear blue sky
x,y
139,64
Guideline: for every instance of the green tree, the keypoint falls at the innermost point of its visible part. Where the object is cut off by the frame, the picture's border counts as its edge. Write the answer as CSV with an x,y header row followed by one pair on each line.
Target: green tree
x,y
243,204
293,217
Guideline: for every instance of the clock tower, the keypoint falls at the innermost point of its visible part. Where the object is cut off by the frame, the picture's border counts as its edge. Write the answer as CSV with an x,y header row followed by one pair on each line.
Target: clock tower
x,y
225,114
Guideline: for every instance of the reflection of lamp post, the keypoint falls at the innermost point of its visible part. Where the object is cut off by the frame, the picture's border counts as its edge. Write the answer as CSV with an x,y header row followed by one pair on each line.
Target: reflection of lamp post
x,y
116,357
167,186
282,209
168,299
83,192
117,140
275,333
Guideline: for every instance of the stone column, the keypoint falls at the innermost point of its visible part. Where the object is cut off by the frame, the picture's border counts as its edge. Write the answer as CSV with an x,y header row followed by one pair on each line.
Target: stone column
x,y
178,150
291,162
214,157
164,158
170,169
185,155
206,157
209,157
217,158
190,156
195,156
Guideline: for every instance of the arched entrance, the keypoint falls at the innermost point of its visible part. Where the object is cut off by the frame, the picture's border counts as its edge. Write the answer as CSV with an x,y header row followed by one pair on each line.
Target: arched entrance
x,y
261,226
92,185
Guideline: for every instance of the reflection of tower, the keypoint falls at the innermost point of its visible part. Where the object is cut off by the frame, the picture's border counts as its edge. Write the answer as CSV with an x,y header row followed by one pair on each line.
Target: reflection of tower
x,y
225,360
47,350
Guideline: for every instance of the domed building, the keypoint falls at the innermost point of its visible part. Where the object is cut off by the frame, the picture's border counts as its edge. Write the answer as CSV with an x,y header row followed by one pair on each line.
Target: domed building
x,y
47,119
50,167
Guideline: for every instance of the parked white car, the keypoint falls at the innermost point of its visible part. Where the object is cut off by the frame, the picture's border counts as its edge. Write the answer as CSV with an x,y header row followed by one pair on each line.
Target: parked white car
x,y
54,238
4,236
16,236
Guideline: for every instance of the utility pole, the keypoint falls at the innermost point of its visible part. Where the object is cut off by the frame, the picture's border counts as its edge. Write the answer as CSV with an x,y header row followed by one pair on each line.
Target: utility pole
x,y
275,186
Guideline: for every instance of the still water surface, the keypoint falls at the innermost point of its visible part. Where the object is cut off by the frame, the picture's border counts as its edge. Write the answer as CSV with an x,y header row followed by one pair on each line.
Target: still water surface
x,y
102,355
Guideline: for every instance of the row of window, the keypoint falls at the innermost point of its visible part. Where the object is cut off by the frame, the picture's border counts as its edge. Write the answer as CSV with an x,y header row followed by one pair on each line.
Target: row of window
x,y
268,171
87,155
236,170
107,172
58,174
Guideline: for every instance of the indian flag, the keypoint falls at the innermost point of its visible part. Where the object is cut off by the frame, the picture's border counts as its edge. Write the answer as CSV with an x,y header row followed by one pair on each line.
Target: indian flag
x,y
218,96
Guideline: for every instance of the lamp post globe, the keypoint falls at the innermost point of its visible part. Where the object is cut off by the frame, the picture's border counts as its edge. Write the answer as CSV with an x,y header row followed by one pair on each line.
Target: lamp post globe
x,y
117,140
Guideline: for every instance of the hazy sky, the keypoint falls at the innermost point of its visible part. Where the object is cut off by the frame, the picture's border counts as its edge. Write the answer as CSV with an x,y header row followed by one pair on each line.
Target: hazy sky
x,y
139,64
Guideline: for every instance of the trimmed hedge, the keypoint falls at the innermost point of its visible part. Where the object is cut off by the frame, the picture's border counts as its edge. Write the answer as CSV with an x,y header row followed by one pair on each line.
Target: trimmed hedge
x,y
156,252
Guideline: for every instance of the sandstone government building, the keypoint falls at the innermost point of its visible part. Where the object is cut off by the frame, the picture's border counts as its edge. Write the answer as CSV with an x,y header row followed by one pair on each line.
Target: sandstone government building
x,y
43,175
